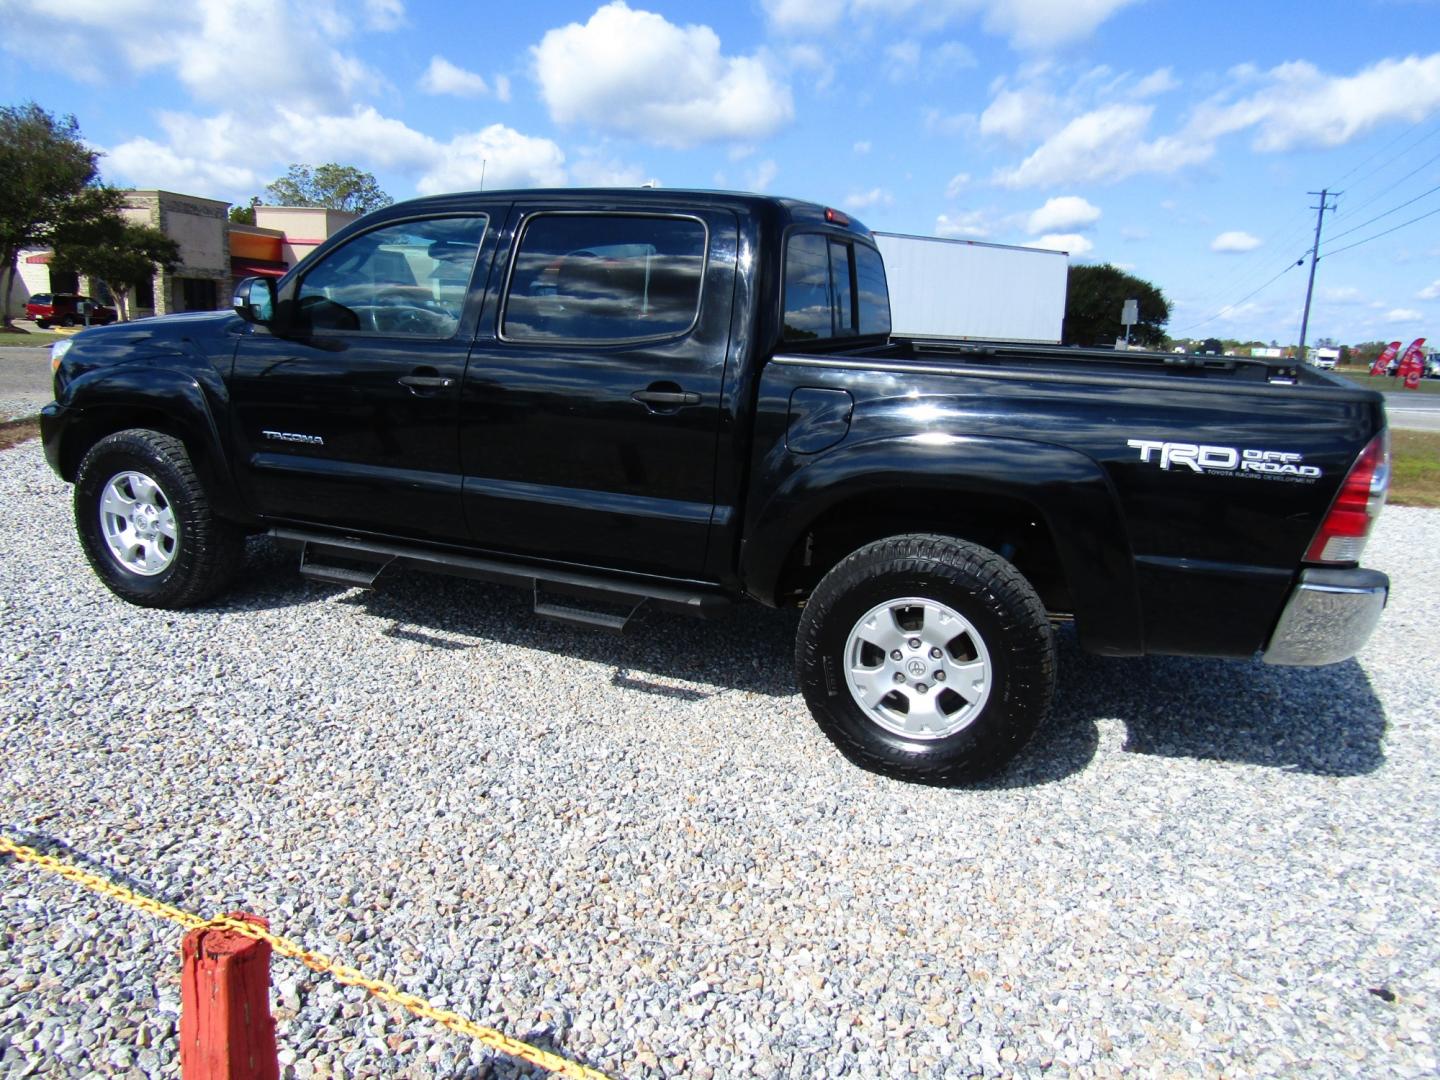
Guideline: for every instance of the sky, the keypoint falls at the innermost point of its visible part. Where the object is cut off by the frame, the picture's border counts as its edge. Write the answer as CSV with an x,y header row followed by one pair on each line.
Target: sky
x,y
1177,140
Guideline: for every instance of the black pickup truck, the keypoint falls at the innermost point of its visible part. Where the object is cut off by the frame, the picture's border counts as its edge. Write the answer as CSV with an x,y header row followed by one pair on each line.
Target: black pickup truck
x,y
683,400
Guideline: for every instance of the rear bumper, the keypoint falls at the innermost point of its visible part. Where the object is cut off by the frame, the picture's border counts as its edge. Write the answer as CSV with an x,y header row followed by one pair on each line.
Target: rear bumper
x,y
1328,618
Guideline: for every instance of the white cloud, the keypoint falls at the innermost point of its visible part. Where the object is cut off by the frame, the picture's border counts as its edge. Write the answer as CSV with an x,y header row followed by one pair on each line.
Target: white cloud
x,y
803,15
594,169
211,46
1025,115
502,155
502,87
1404,315
635,73
902,60
384,14
1430,292
942,123
1028,24
1342,294
1234,242
1046,24
443,77
1074,243
1161,81
958,183
1063,212
863,200
762,176
862,147
1301,106
970,224
1106,144
229,156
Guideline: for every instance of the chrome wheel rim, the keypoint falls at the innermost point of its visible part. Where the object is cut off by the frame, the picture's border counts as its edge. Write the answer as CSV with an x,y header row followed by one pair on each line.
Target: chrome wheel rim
x,y
138,524
918,668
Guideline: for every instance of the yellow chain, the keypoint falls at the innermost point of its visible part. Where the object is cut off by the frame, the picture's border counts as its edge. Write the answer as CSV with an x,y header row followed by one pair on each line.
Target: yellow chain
x,y
318,962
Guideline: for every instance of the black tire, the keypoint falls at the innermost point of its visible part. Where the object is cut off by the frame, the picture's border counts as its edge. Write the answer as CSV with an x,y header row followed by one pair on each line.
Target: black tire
x,y
68,320
986,592
205,552
43,324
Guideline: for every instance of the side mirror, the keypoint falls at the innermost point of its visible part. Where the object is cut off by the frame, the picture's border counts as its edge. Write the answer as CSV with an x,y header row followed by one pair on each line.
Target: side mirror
x,y
255,300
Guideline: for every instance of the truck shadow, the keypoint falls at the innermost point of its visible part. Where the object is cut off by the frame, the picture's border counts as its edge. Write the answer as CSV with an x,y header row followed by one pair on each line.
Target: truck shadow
x,y
1322,721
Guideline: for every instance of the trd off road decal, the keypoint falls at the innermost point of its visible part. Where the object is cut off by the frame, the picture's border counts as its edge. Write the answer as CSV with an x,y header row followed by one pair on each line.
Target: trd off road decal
x,y
1226,460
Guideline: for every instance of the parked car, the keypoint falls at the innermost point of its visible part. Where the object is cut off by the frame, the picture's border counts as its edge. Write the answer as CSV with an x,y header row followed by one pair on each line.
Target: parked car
x,y
67,309
693,401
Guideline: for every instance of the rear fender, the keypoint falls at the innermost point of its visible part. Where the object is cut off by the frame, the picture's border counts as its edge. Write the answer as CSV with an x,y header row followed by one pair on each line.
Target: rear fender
x,y
1068,490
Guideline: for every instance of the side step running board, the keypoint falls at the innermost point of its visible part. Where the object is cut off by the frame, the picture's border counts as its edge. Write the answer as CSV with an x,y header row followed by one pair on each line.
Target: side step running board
x,y
360,573
358,561
615,622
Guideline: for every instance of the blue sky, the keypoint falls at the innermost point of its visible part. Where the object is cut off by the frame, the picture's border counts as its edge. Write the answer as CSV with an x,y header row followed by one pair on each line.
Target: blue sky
x,y
1177,140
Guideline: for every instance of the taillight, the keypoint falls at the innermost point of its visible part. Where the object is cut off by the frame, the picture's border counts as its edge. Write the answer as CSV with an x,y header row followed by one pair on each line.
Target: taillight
x,y
1342,535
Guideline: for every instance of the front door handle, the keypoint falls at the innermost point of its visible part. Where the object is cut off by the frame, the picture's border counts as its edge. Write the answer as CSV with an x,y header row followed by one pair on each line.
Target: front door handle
x,y
670,398
426,382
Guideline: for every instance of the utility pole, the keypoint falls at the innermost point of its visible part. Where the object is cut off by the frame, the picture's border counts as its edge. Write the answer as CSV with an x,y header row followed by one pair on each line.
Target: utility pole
x,y
1324,194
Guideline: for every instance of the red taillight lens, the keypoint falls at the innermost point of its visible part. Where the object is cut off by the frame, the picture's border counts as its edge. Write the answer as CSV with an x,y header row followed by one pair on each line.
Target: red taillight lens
x,y
835,217
1342,535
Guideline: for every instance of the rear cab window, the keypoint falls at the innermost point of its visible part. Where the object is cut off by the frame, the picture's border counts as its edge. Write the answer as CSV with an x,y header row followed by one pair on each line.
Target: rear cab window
x,y
834,287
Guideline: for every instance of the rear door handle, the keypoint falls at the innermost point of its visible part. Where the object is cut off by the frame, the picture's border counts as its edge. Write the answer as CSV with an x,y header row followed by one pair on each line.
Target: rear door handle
x,y
666,397
426,382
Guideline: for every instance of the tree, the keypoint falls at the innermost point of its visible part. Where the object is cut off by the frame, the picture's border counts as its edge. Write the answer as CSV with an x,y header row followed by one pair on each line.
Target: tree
x,y
1093,301
335,187
245,215
118,252
49,181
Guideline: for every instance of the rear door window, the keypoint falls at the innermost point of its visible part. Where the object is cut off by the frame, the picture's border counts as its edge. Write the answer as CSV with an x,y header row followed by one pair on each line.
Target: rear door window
x,y
605,278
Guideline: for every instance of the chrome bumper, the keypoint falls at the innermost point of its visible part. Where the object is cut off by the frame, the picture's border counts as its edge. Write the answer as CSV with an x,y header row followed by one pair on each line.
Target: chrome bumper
x,y
1328,618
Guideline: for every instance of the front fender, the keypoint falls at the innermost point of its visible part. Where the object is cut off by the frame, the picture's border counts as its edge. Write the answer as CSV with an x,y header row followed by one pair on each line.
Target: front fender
x,y
1068,490
108,399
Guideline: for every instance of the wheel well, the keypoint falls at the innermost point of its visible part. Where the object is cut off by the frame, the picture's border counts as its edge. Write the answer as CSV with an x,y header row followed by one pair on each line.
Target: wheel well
x,y
1010,527
98,423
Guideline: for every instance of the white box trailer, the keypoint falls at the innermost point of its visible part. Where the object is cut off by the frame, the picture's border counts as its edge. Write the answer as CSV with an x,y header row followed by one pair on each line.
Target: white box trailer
x,y
969,290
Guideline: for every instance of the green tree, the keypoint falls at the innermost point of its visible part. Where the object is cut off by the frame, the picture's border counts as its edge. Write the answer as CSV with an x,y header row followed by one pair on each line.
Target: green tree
x,y
49,181
335,187
118,252
245,215
1093,301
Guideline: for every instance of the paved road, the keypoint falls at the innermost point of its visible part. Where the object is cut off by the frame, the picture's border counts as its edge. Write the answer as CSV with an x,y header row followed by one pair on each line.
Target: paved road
x,y
1413,410
25,375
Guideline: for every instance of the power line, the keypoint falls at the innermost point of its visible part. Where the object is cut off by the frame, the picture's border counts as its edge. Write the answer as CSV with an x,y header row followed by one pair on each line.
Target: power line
x,y
1377,236
1385,191
1387,146
1237,303
1387,213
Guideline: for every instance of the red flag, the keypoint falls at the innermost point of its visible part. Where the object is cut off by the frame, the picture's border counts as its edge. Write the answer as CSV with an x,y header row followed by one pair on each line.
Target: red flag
x,y
1382,362
1412,365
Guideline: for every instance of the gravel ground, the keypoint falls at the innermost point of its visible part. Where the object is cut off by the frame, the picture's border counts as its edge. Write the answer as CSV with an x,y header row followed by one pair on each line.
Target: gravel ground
x,y
642,853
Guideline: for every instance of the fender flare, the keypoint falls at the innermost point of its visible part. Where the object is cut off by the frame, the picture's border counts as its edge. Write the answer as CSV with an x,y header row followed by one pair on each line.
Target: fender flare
x,y
1067,489
177,395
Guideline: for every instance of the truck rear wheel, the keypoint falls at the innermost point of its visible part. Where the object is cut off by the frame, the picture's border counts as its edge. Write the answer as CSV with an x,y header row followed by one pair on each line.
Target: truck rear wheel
x,y
926,658
145,522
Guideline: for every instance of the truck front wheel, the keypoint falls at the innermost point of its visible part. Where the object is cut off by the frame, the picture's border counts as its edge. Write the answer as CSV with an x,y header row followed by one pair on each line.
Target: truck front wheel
x,y
926,658
146,525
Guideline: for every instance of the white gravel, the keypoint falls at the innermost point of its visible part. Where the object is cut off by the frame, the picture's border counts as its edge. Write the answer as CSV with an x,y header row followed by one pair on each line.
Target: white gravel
x,y
641,852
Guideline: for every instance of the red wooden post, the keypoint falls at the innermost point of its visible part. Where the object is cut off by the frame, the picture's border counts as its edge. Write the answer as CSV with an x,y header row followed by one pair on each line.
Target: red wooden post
x,y
226,1030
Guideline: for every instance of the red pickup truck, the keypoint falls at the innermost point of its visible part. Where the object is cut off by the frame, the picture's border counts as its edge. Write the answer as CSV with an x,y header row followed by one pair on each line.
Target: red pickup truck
x,y
67,309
